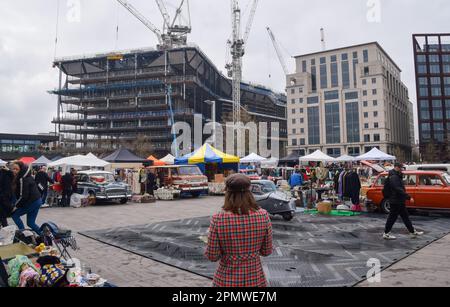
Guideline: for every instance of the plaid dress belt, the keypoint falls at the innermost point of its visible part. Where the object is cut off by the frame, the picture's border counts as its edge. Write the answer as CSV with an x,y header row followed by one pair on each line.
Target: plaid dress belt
x,y
242,257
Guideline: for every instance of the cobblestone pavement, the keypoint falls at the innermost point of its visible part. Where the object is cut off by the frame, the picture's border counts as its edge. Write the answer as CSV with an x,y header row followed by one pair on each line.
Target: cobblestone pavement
x,y
428,267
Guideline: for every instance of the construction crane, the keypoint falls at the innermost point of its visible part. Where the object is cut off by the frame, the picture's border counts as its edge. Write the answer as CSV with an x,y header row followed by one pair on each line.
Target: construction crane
x,y
278,51
143,19
237,48
173,34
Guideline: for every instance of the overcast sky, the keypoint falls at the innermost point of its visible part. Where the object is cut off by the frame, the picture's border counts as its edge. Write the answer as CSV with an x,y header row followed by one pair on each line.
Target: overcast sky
x,y
28,31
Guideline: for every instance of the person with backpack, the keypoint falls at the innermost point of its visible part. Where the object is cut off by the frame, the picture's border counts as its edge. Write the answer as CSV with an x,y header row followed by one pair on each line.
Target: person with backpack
x,y
395,192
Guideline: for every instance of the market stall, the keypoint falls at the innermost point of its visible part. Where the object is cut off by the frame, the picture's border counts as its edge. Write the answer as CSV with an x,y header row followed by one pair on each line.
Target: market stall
x,y
213,163
375,155
345,158
155,161
79,161
291,160
42,161
253,158
168,160
124,159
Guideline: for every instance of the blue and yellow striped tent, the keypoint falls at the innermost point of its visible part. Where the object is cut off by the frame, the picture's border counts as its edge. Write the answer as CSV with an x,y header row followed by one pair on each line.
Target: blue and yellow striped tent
x,y
207,154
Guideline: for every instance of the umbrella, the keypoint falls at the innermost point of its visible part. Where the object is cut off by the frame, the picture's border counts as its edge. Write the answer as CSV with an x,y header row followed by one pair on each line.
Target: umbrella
x,y
207,154
253,158
27,160
80,161
376,155
317,156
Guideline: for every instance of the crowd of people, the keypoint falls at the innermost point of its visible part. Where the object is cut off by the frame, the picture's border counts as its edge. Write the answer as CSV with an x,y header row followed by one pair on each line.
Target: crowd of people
x,y
24,190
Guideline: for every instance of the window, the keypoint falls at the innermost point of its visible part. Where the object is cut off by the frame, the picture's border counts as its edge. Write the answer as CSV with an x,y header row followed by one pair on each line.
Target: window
x,y
366,114
439,131
332,95
314,78
334,152
334,75
302,142
333,58
365,104
312,100
323,76
410,180
376,125
376,138
423,81
422,69
374,92
435,69
437,110
423,92
344,57
374,80
364,93
366,126
302,130
301,100
294,121
433,58
302,120
375,114
301,110
351,96
364,82
294,142
367,138
323,60
345,74
304,66
426,131
355,54
375,103
313,126
366,56
430,180
293,91
293,111
436,92
354,151
332,123
352,115
293,101
294,131
366,71
313,62
421,58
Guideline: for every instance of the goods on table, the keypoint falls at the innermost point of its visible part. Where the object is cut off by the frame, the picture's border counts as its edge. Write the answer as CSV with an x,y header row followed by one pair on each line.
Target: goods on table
x,y
167,194
216,188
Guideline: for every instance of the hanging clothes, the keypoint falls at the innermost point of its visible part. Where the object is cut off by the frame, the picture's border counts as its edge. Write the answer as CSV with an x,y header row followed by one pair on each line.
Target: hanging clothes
x,y
352,187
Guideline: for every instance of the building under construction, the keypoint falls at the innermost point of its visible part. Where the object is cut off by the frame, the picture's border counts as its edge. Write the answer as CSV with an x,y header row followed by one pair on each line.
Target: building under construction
x,y
106,98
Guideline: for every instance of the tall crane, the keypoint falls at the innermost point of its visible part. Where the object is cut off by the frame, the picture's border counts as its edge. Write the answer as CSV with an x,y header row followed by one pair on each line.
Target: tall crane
x,y
278,51
237,47
173,34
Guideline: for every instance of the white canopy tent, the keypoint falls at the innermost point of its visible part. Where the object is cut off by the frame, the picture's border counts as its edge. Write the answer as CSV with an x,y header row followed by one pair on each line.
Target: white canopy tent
x,y
2,163
42,161
376,155
80,161
317,156
345,158
269,163
169,159
253,158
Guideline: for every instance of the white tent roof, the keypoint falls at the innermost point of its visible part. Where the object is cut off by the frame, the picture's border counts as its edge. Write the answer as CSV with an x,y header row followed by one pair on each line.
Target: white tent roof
x,y
42,161
272,162
80,161
253,158
345,158
376,155
169,159
2,163
317,156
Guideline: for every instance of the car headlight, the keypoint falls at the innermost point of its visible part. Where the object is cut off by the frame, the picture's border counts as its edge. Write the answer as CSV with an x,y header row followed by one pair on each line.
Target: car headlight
x,y
102,190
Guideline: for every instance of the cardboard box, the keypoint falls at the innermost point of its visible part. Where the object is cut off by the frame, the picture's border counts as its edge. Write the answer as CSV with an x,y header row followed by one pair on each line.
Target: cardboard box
x,y
324,207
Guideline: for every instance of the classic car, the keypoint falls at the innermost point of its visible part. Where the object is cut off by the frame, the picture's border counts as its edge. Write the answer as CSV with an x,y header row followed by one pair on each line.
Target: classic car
x,y
272,200
187,179
103,186
428,190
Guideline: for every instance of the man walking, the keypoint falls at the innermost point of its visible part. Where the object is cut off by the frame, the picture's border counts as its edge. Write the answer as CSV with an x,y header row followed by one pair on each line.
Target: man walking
x,y
42,180
397,198
67,182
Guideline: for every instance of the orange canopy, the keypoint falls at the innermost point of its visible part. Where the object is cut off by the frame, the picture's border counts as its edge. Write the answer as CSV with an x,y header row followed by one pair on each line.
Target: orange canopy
x,y
27,160
156,162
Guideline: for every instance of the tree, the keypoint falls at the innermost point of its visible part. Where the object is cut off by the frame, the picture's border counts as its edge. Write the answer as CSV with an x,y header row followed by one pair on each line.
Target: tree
x,y
141,145
399,154
430,153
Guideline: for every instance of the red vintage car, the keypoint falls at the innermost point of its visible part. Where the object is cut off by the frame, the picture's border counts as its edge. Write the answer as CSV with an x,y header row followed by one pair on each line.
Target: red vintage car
x,y
428,189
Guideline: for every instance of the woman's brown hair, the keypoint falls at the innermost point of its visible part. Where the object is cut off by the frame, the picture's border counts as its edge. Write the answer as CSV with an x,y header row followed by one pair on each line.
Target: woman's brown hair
x,y
238,198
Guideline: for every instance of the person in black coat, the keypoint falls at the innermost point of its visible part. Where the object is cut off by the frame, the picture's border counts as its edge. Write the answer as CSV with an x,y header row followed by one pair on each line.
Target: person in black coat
x,y
6,193
67,182
42,180
151,182
397,201
27,197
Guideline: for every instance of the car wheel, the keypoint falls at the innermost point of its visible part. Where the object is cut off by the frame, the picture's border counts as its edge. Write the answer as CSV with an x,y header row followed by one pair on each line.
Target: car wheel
x,y
287,216
123,201
386,206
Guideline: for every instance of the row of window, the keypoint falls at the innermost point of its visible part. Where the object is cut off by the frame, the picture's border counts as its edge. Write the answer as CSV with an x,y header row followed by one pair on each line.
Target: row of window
x,y
435,129
433,58
434,69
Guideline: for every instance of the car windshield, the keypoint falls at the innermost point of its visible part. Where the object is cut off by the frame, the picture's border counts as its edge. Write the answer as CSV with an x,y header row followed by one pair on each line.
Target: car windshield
x,y
267,186
188,171
102,178
446,178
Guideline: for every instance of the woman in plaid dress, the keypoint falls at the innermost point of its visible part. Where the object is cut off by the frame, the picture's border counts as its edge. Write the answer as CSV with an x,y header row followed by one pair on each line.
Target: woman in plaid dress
x,y
238,236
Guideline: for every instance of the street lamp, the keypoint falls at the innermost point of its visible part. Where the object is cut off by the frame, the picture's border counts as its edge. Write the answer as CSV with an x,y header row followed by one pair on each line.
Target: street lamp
x,y
213,117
